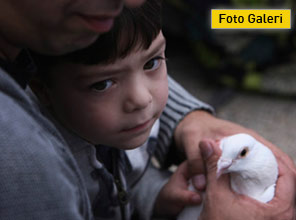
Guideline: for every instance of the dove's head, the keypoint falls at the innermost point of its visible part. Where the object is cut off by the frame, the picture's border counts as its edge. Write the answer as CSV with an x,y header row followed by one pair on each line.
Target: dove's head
x,y
237,153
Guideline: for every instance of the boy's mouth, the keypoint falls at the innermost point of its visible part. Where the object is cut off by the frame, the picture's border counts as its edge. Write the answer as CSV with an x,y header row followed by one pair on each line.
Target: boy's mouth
x,y
139,126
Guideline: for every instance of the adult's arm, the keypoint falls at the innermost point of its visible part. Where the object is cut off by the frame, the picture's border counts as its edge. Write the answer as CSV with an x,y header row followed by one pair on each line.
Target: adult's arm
x,y
36,181
39,179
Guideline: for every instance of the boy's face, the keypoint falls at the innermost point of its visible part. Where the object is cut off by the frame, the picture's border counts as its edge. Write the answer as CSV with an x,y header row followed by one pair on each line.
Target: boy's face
x,y
114,104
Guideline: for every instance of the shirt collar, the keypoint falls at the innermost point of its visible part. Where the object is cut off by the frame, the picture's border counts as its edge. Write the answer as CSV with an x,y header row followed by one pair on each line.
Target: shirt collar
x,y
21,69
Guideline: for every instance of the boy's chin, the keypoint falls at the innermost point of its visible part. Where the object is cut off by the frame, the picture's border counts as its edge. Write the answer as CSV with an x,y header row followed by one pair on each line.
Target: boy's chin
x,y
126,143
132,144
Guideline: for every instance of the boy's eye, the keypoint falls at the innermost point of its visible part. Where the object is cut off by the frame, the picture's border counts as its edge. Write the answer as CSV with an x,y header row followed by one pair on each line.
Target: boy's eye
x,y
102,86
153,64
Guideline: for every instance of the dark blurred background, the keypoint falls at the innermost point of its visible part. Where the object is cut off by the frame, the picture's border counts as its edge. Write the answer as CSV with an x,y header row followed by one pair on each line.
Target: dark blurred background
x,y
248,76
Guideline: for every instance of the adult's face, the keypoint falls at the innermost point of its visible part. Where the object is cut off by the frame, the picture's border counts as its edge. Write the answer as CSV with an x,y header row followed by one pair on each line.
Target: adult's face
x,y
57,26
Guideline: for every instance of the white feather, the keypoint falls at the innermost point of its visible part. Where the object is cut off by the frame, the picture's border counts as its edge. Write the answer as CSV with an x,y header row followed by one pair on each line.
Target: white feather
x,y
253,172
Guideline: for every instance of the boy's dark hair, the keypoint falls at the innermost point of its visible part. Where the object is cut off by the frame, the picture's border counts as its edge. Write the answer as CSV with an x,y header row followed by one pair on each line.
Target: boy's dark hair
x,y
134,28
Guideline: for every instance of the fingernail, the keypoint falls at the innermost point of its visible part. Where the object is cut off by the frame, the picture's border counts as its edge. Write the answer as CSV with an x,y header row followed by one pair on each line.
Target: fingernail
x,y
196,199
206,150
199,181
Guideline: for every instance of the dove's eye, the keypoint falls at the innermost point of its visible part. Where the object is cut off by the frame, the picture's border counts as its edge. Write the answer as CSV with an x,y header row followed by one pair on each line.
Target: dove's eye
x,y
244,152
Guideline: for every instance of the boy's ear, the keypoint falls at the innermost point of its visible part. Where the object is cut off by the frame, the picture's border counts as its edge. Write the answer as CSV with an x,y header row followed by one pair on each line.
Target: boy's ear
x,y
41,91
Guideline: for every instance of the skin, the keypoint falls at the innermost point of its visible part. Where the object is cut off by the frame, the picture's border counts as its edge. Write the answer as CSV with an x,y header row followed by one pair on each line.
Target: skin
x,y
54,26
115,104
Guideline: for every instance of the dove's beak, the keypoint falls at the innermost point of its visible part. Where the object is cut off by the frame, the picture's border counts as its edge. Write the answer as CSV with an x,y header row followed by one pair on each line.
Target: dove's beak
x,y
222,166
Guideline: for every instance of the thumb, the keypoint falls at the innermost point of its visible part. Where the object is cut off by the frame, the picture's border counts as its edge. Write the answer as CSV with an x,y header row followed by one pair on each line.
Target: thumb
x,y
210,155
211,152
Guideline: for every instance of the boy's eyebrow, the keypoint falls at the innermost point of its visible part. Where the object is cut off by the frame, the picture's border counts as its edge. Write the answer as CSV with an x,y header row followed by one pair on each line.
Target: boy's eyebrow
x,y
93,74
157,47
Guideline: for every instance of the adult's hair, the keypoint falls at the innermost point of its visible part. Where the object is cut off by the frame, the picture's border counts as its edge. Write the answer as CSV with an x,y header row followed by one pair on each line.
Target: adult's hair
x,y
134,29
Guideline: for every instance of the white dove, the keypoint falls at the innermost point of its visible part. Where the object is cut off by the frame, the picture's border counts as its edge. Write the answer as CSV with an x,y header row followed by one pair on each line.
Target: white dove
x,y
252,166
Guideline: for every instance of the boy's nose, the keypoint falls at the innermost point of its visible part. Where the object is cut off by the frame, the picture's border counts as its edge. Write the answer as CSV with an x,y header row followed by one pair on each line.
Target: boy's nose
x,y
137,98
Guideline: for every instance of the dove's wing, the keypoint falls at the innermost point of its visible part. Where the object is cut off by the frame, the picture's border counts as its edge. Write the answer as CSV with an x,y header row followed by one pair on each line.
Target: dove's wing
x,y
268,194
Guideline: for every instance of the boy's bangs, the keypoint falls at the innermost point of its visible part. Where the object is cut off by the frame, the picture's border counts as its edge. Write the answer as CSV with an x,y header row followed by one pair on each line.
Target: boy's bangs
x,y
134,34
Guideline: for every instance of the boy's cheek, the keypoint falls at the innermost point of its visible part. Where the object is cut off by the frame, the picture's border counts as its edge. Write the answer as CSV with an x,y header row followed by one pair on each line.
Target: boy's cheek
x,y
165,94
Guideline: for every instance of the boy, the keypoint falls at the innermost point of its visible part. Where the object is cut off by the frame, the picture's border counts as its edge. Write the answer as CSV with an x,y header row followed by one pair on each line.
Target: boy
x,y
119,99
111,94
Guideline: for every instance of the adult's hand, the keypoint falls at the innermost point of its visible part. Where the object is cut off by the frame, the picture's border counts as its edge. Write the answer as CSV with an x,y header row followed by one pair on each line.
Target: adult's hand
x,y
174,195
199,125
221,203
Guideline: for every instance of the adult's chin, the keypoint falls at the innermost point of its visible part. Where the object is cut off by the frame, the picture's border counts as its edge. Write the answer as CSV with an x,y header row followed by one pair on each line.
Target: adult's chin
x,y
64,46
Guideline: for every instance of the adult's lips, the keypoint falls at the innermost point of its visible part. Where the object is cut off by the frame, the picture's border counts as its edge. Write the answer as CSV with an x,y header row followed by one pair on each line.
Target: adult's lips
x,y
98,24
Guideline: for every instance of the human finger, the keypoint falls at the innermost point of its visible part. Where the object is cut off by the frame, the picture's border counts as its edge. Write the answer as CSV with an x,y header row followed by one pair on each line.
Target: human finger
x,y
196,167
186,195
284,198
211,152
285,189
199,182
